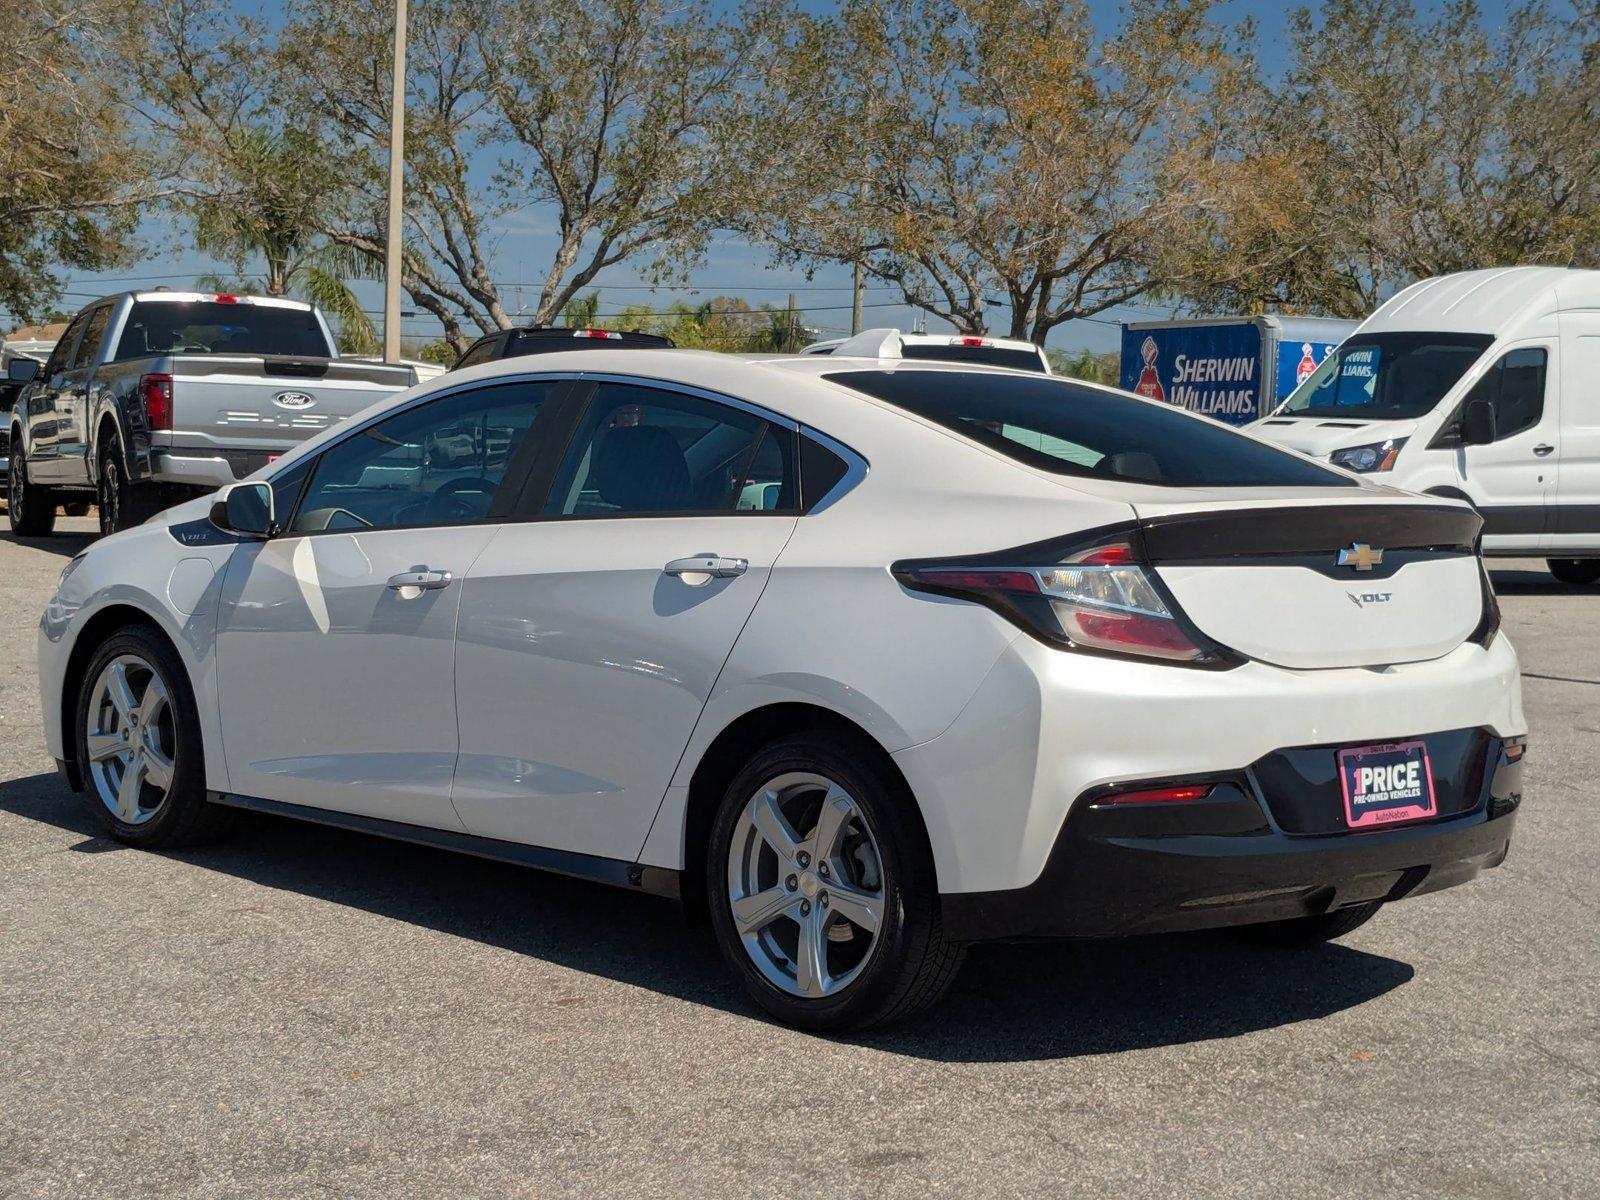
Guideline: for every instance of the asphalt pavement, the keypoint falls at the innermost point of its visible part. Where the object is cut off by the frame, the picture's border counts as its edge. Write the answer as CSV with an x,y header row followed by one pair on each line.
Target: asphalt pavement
x,y
303,1012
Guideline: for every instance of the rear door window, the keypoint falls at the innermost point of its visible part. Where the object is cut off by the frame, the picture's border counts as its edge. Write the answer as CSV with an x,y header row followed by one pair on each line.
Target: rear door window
x,y
1067,429
93,332
646,451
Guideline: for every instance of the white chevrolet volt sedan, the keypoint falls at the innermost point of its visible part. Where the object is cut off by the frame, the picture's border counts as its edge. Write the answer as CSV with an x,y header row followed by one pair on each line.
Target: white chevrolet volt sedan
x,y
864,662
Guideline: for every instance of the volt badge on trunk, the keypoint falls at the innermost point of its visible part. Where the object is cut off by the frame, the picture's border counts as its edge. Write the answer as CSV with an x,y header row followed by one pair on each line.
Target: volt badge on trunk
x,y
1366,598
294,401
1360,556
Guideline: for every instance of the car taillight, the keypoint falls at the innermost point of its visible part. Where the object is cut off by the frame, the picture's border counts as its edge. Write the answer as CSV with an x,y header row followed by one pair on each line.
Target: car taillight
x,y
155,394
608,334
224,298
1176,794
969,341
1101,599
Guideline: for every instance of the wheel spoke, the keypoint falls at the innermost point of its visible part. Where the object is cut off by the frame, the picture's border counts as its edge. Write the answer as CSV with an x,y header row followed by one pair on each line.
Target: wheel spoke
x,y
811,957
129,788
772,825
751,914
857,906
151,703
120,693
102,746
157,768
837,810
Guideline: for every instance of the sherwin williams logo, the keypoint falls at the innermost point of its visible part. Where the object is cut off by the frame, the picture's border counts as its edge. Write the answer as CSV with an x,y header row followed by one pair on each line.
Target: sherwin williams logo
x,y
294,401
1149,384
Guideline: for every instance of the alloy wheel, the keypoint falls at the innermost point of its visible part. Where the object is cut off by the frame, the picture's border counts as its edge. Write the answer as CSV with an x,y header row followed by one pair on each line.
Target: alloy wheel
x,y
808,907
131,739
16,483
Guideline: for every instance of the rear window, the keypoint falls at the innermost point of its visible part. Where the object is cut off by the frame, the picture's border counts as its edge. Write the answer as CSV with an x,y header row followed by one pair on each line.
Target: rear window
x,y
988,356
1058,426
207,327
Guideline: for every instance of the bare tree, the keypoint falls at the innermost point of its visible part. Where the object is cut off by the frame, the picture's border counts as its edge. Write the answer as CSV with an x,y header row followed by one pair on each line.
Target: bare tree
x,y
1015,157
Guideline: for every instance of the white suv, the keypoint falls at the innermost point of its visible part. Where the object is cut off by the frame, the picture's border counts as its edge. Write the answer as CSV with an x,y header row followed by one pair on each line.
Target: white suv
x,y
864,662
891,344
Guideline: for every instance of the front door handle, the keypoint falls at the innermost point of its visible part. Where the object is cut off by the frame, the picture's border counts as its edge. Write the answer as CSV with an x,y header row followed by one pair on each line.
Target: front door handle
x,y
1542,449
712,566
424,579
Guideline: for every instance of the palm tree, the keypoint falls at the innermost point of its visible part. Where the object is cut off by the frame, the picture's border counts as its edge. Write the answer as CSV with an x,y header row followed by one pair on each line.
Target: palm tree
x,y
271,215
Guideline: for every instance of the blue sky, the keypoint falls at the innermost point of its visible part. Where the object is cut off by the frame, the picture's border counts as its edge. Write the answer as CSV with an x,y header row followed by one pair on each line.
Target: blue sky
x,y
731,266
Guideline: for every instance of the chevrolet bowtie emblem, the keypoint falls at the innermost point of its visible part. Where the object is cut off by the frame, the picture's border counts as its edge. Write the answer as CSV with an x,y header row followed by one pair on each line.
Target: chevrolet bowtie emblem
x,y
1360,556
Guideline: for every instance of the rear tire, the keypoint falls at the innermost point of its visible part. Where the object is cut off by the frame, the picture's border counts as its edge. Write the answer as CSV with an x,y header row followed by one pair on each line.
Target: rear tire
x,y
136,707
871,851
32,508
1307,931
1577,571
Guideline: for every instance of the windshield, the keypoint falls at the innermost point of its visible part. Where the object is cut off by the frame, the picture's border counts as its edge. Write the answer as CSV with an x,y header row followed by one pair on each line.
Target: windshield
x,y
1386,376
210,327
1067,429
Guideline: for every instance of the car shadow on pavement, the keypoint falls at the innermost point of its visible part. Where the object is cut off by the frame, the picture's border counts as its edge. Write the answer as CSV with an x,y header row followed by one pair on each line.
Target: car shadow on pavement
x,y
1023,1002
65,544
1536,583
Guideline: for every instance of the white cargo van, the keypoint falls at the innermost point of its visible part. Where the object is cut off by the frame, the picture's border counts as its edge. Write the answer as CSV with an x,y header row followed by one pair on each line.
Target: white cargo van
x,y
1484,386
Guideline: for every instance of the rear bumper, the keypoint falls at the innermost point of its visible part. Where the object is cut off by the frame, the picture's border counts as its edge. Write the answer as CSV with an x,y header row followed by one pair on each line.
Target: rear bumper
x,y
1226,860
209,471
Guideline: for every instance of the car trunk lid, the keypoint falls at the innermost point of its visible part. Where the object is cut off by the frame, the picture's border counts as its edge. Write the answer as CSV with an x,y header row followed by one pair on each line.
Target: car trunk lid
x,y
1323,581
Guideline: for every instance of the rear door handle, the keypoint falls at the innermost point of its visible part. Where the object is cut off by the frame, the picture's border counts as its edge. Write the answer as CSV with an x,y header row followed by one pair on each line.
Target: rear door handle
x,y
423,579
1541,449
712,565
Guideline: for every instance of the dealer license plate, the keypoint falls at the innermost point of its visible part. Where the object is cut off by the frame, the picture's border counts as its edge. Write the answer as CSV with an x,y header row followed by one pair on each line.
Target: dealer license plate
x,y
1386,784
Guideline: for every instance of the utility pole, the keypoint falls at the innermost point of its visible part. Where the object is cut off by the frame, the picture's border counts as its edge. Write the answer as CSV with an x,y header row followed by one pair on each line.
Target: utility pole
x,y
855,304
397,177
789,331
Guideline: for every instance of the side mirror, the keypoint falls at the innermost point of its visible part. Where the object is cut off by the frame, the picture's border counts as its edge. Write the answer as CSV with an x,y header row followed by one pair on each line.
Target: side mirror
x,y
1477,423
245,509
22,370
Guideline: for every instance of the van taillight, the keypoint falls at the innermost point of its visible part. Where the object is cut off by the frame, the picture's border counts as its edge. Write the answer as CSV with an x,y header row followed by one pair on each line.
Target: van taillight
x,y
155,393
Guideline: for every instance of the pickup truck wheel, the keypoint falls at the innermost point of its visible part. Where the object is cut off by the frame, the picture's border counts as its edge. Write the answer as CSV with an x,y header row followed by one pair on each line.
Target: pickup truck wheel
x,y
32,509
121,505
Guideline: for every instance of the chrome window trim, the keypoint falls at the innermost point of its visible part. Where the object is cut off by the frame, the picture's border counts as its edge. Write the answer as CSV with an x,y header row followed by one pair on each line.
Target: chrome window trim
x,y
689,389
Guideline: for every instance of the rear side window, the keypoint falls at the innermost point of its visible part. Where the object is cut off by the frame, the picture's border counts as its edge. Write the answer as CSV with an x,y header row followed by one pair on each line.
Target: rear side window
x,y
641,450
210,327
988,356
480,352
1060,427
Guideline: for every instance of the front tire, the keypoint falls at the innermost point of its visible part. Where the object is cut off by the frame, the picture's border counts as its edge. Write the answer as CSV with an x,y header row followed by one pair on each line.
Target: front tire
x,y
139,747
31,509
821,887
1577,571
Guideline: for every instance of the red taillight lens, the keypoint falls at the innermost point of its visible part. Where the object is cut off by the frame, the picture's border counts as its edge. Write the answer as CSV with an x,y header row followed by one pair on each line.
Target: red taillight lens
x,y
1515,748
608,334
155,394
220,298
970,341
1101,599
1161,795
